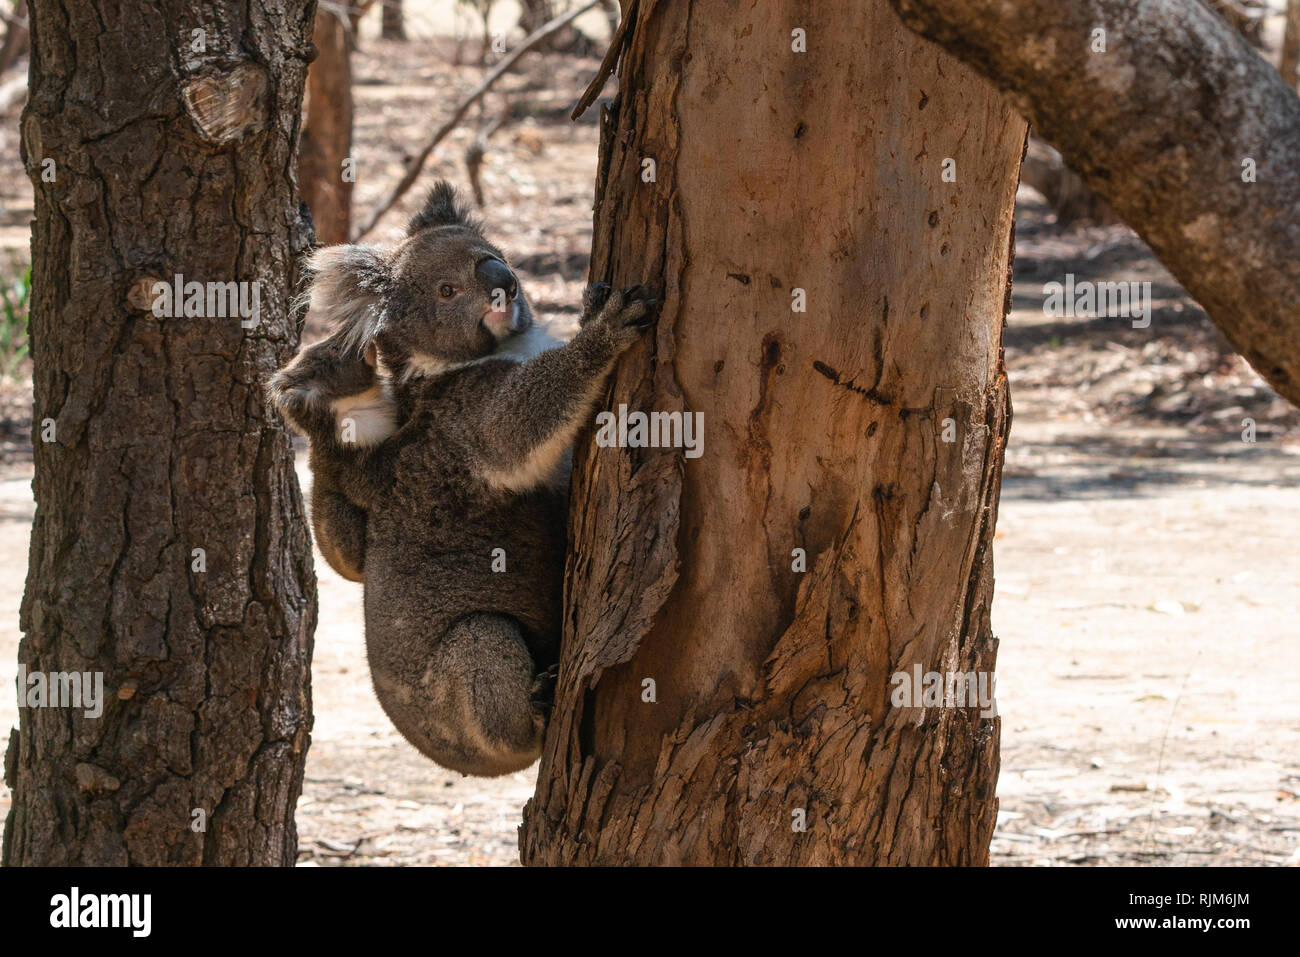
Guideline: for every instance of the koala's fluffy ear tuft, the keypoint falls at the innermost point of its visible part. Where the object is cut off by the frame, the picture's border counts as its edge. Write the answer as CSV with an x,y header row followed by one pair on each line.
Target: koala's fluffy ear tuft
x,y
348,285
442,207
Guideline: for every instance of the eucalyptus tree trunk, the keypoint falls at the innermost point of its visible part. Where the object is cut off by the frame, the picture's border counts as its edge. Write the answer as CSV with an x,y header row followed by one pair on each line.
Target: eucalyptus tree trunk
x,y
170,564
828,205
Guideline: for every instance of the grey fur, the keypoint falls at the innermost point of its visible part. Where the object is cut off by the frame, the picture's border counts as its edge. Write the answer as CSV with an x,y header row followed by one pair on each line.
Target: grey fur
x,y
466,451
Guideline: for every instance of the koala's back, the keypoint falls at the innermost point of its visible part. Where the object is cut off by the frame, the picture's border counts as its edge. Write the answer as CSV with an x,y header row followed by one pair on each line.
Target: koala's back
x,y
432,544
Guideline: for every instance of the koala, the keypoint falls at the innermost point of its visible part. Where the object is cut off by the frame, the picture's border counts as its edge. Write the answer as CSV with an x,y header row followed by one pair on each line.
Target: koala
x,y
441,427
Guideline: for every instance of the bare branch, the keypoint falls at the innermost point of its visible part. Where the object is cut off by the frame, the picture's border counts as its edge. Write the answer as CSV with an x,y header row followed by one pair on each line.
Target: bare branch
x,y
413,170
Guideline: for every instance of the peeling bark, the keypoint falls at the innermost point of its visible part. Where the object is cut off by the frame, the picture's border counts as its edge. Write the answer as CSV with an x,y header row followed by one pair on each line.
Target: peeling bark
x,y
777,170
167,160
1161,126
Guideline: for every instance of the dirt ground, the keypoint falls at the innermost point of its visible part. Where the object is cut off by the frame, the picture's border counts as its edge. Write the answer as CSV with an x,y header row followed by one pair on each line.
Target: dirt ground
x,y
1147,589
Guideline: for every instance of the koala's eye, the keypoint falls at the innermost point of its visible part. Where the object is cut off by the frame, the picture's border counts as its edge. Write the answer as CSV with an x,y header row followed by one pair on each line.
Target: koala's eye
x,y
446,290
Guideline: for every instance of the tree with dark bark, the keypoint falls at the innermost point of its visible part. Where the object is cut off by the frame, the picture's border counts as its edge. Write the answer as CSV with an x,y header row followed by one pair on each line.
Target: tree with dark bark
x,y
834,248
170,563
1172,118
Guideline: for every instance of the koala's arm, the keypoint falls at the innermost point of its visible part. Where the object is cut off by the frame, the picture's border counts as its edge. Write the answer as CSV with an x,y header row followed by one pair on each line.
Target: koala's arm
x,y
528,423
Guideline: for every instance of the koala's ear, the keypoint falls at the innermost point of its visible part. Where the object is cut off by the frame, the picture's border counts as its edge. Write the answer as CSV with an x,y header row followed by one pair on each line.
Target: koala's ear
x,y
348,284
442,207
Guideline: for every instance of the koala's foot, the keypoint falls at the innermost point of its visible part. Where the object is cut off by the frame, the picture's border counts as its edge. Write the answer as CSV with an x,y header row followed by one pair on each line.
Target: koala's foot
x,y
468,705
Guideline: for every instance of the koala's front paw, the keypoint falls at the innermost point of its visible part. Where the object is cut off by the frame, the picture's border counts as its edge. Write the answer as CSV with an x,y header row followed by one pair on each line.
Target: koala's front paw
x,y
626,313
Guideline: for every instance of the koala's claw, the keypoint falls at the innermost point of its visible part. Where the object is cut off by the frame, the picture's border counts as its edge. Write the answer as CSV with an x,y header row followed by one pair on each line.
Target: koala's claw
x,y
594,299
636,307
599,294
650,317
631,308
543,690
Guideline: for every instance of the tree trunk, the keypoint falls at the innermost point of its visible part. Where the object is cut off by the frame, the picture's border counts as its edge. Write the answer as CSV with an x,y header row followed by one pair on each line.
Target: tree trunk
x,y
169,552
325,160
1291,45
781,174
1182,127
392,25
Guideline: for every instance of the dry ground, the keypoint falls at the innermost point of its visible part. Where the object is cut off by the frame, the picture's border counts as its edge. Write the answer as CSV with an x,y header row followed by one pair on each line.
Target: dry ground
x,y
1147,588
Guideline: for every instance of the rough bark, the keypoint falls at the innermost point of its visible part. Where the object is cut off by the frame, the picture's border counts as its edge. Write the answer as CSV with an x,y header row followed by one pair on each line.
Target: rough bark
x,y
168,161
1162,126
1291,45
778,170
327,132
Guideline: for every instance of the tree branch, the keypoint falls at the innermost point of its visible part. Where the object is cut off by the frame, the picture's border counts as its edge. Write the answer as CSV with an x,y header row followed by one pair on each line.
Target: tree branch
x,y
1165,124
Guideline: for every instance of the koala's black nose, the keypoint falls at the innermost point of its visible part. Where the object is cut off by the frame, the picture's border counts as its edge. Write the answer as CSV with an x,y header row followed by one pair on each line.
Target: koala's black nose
x,y
493,274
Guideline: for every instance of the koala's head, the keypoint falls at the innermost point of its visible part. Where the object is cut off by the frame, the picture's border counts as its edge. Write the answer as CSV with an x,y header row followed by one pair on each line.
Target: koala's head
x,y
442,296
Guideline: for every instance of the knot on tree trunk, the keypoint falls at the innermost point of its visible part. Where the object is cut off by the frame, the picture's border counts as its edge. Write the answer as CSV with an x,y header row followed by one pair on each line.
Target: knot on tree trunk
x,y
228,105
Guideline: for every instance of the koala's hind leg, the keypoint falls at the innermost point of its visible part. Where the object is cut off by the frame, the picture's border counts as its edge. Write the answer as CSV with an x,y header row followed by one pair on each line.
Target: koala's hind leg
x,y
340,530
473,708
